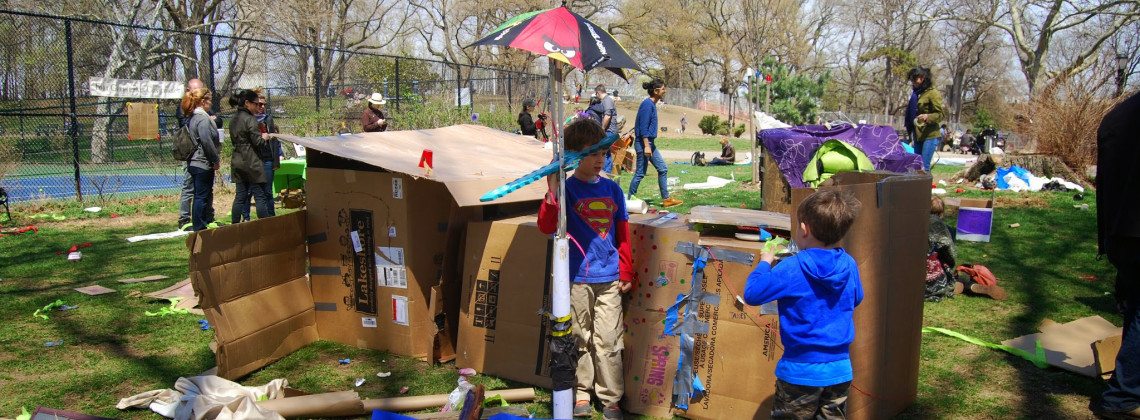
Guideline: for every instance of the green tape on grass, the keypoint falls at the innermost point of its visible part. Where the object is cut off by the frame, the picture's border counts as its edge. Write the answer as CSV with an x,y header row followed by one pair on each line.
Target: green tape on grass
x,y
1038,359
169,310
42,312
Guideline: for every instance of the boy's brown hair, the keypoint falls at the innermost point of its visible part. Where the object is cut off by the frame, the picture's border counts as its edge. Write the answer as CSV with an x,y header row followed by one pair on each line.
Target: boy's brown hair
x,y
936,205
581,134
829,214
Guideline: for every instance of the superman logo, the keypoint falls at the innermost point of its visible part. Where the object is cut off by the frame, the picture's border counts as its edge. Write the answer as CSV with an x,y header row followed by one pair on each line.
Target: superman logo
x,y
598,213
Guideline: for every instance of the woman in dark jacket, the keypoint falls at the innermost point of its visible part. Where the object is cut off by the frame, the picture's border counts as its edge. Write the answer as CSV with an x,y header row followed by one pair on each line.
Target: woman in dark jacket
x,y
526,122
247,168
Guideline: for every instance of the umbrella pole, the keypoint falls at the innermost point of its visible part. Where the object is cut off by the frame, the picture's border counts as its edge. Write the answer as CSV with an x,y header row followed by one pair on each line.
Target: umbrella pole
x,y
564,351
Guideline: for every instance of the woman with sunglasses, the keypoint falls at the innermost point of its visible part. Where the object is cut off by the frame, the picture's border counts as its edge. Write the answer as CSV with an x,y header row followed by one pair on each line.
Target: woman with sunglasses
x,y
248,167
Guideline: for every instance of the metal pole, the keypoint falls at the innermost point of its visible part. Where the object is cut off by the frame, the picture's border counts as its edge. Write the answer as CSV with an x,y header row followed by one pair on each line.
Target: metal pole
x,y
509,100
458,87
398,95
563,398
73,127
317,77
216,105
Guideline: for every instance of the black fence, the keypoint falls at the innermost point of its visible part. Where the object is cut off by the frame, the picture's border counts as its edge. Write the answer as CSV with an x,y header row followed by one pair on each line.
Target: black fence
x,y
57,141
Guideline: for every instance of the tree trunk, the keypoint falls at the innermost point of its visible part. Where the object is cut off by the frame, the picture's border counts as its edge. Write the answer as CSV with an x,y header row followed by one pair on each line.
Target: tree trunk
x,y
1046,166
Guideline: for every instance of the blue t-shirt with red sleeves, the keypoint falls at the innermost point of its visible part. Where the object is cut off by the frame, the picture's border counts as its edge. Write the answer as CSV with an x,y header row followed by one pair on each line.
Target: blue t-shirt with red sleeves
x,y
591,221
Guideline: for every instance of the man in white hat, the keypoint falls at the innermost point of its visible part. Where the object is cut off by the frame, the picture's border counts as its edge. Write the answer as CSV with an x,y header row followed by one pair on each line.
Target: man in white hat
x,y
374,118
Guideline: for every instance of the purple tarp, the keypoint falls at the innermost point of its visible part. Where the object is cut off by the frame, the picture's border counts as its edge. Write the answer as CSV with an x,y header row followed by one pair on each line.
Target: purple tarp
x,y
793,147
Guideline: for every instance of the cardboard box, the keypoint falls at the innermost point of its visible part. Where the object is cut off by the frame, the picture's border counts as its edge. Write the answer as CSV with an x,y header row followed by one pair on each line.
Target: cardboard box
x,y
975,220
888,241
506,289
735,361
384,246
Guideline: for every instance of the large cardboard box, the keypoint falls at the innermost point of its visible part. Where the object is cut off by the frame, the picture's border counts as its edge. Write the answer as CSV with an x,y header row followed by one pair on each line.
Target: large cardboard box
x,y
888,241
384,246
506,290
975,219
735,360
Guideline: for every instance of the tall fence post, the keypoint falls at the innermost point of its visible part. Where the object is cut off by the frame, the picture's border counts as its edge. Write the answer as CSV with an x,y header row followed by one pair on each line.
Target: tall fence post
x,y
398,95
509,100
458,87
73,127
215,105
317,76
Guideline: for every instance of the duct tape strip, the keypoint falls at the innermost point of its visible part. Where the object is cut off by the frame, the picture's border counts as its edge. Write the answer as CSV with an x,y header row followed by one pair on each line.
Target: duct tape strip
x,y
719,254
686,386
324,271
324,306
560,326
317,238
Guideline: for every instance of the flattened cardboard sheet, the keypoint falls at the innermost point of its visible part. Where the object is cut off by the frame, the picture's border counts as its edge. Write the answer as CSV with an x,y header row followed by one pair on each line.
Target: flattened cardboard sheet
x,y
1069,346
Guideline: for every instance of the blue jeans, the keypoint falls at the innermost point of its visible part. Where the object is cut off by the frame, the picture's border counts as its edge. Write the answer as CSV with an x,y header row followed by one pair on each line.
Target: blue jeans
x,y
928,148
269,186
187,199
245,190
658,164
203,207
609,165
1123,393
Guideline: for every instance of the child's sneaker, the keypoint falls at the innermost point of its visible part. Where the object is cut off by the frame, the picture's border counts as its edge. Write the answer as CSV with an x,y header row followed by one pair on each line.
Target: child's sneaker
x,y
670,202
612,412
582,409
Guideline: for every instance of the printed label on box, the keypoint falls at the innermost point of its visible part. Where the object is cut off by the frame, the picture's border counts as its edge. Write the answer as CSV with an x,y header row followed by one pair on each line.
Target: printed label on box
x,y
390,269
398,188
355,241
486,301
368,321
400,309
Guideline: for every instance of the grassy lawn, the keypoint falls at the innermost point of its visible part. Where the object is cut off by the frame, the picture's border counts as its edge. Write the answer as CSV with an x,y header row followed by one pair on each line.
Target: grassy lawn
x,y
112,349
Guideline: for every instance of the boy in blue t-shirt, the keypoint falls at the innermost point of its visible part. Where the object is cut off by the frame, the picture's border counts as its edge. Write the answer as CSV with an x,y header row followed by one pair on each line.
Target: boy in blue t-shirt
x,y
601,269
817,290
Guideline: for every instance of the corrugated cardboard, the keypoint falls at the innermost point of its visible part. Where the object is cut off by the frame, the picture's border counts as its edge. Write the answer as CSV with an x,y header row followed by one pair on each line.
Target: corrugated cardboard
x,y
975,220
736,361
1072,346
384,246
142,121
252,284
888,241
506,286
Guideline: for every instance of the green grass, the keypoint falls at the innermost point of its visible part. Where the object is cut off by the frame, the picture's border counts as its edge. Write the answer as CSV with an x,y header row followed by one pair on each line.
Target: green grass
x,y
704,143
112,350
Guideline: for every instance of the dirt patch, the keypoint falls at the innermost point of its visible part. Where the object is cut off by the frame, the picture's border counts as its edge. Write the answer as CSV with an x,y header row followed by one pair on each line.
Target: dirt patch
x,y
1021,200
668,116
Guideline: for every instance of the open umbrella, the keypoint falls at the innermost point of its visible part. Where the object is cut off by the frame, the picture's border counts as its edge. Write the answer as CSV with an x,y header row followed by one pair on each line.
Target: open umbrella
x,y
563,37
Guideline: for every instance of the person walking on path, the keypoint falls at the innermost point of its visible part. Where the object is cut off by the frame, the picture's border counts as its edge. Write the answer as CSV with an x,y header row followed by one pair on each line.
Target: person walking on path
x,y
1118,233
645,135
374,119
927,137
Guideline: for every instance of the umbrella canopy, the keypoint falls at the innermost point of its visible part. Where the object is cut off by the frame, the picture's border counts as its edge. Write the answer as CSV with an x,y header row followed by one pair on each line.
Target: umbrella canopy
x,y
565,36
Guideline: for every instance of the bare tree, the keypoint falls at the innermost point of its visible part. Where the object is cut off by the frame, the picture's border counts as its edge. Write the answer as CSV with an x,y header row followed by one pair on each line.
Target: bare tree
x,y
1034,26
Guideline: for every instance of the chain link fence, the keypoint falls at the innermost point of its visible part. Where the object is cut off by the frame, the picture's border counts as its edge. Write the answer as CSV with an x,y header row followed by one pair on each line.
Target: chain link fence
x,y
57,141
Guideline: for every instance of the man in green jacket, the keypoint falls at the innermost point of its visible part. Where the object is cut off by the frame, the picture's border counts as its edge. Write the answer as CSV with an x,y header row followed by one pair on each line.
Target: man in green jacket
x,y
927,135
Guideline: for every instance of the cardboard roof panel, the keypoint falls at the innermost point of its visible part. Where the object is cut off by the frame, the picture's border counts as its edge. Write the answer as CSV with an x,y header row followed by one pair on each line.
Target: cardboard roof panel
x,y
460,154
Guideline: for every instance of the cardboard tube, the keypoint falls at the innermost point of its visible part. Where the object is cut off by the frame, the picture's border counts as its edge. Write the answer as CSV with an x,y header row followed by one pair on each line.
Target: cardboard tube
x,y
399,404
332,404
636,206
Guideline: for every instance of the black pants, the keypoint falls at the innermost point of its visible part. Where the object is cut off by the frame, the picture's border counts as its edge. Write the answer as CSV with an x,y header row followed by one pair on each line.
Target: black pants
x,y
810,402
1123,393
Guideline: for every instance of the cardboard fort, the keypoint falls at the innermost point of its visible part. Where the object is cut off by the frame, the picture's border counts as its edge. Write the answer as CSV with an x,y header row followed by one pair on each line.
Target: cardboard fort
x,y
374,260
502,331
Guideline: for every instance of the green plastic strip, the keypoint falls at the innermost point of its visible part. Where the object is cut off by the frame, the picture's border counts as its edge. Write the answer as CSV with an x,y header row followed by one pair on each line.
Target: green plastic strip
x,y
42,312
169,310
774,245
25,415
1037,359
495,401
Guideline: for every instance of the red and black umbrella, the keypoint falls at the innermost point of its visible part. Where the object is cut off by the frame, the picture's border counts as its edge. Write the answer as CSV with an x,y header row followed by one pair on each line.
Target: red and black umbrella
x,y
565,36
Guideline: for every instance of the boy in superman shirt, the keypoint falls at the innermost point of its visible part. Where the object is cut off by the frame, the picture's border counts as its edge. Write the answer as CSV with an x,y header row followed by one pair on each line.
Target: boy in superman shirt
x,y
601,269
817,290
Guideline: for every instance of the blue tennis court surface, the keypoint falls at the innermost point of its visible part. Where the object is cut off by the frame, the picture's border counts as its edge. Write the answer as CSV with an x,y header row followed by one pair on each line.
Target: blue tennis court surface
x,y
63,186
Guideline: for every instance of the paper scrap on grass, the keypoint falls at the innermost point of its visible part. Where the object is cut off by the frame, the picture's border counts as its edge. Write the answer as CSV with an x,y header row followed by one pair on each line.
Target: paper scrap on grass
x,y
712,182
154,236
1037,357
94,290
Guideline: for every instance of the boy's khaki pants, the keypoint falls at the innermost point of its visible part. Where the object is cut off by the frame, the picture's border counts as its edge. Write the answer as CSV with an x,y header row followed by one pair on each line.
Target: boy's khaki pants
x,y
597,329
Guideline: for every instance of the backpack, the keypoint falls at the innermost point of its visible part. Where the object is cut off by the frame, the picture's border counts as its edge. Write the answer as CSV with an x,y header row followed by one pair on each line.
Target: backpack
x,y
698,159
184,145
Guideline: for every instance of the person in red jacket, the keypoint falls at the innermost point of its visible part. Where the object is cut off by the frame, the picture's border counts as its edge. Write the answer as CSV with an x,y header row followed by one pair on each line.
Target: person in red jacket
x,y
601,269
